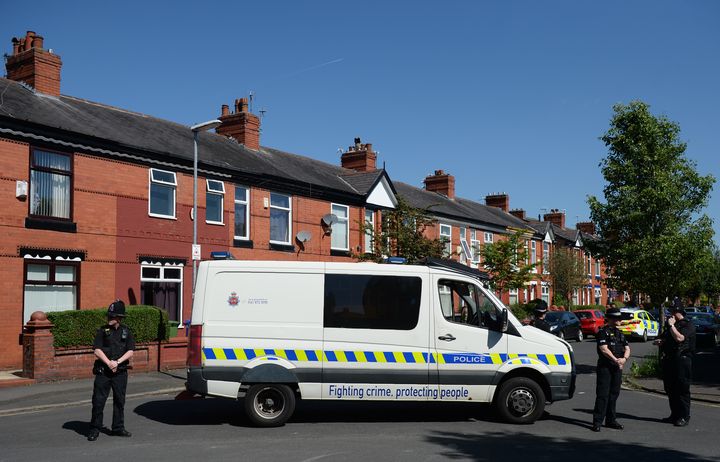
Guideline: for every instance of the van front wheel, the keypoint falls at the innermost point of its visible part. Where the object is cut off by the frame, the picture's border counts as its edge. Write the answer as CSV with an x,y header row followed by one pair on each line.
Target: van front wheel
x,y
520,400
270,404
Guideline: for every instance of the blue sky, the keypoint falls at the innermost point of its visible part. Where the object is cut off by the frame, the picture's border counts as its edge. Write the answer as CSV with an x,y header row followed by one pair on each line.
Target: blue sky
x,y
508,96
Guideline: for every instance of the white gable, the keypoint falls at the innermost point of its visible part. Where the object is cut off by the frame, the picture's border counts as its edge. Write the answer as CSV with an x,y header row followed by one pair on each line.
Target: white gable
x,y
381,195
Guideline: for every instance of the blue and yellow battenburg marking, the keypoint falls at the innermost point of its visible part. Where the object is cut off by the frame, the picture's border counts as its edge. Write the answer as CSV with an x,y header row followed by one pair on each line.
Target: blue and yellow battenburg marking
x,y
406,357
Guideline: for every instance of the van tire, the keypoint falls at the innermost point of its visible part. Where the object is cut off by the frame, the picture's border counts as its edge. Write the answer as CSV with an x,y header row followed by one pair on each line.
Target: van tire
x,y
269,404
520,400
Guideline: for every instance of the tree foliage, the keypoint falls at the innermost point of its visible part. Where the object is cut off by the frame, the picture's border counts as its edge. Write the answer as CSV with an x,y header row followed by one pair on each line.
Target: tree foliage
x,y
402,234
506,262
567,271
650,226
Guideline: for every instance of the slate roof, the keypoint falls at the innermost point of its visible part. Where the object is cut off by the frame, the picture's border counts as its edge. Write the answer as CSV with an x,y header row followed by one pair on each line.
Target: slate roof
x,y
460,209
125,131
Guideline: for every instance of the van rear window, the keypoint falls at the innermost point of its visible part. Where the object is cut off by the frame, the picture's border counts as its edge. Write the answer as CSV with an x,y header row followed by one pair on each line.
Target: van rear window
x,y
357,301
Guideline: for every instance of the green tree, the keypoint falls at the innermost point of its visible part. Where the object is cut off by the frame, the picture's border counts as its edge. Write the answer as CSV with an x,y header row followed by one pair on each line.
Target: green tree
x,y
402,234
567,272
506,262
651,230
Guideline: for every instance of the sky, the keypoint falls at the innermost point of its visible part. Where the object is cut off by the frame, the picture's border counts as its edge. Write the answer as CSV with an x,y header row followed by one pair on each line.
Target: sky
x,y
507,96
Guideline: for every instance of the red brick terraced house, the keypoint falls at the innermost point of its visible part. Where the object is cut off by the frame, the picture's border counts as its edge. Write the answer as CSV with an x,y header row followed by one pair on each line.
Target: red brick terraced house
x,y
97,200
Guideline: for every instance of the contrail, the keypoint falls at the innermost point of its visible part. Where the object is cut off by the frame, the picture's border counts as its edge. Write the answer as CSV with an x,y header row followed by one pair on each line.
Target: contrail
x,y
315,67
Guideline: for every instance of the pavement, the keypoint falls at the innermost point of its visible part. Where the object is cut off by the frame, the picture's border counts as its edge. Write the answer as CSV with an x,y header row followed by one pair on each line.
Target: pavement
x,y
19,396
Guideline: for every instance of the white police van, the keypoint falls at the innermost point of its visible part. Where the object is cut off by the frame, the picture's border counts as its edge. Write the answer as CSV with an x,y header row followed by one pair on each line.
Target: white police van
x,y
273,332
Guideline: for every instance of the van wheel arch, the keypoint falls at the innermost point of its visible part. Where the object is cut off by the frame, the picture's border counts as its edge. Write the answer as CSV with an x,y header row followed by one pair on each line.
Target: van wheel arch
x,y
531,374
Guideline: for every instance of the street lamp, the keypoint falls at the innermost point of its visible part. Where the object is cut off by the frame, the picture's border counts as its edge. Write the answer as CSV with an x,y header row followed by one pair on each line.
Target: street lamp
x,y
202,127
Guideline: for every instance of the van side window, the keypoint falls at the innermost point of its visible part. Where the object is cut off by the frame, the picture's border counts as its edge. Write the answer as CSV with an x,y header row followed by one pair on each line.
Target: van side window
x,y
354,301
464,303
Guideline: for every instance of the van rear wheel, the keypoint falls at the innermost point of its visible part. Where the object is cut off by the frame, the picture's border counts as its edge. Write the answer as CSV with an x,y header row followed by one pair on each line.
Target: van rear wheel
x,y
520,400
269,404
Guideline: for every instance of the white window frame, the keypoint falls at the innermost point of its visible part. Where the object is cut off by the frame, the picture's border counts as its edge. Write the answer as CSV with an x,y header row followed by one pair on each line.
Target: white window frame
x,y
346,220
545,292
597,268
488,237
513,294
215,191
162,278
546,258
369,235
475,246
152,180
245,202
448,236
466,254
289,212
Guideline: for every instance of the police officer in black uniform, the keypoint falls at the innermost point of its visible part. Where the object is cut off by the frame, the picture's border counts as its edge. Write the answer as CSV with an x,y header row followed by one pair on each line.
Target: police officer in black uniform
x,y
114,345
613,352
677,345
540,311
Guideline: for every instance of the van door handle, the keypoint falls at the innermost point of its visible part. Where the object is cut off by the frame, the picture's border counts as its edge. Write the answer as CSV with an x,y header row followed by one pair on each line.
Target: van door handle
x,y
447,337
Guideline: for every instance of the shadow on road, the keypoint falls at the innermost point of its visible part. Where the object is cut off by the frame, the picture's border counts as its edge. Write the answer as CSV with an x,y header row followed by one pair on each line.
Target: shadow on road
x,y
217,411
523,446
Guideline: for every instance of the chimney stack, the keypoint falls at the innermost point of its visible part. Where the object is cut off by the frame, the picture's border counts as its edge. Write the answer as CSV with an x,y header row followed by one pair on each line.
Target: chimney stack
x,y
500,200
556,217
518,213
359,157
442,183
241,125
32,64
587,227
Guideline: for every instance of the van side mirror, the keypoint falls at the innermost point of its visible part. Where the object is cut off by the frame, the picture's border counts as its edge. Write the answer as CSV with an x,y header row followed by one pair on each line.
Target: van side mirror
x,y
504,319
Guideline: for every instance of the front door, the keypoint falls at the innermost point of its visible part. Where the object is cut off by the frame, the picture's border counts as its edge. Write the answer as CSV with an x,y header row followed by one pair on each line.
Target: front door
x,y
468,345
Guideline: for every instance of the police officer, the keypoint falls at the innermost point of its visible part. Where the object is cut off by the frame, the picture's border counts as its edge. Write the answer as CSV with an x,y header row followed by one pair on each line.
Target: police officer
x,y
613,352
540,311
677,345
114,345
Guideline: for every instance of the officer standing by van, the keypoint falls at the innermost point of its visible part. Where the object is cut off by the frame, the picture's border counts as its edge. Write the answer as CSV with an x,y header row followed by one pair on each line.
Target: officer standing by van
x,y
677,345
114,345
613,352
540,311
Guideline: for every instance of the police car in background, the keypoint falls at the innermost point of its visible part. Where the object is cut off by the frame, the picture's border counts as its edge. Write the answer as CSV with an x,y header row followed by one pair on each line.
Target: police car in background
x,y
638,324
271,332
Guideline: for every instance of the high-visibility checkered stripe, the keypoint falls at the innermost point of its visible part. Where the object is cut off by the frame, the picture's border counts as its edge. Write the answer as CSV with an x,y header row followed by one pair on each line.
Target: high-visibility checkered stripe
x,y
406,357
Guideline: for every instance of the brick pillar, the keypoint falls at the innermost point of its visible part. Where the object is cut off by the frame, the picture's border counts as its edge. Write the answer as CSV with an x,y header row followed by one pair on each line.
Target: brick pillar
x,y
38,349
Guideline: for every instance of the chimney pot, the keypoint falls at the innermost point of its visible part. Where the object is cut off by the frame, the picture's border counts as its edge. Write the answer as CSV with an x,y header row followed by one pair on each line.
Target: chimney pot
x,y
243,105
37,42
225,109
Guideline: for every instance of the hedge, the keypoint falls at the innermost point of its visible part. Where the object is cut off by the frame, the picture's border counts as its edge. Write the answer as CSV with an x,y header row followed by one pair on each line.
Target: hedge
x,y
78,327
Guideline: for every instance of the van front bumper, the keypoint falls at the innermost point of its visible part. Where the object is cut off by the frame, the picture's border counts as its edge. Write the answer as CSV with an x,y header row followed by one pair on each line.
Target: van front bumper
x,y
562,385
195,382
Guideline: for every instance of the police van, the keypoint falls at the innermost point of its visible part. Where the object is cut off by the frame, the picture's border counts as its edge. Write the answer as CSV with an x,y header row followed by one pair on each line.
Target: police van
x,y
271,332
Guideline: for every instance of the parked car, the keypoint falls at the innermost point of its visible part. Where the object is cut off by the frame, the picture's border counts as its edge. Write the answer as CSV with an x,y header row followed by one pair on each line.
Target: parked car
x,y
638,324
707,328
565,325
699,309
590,321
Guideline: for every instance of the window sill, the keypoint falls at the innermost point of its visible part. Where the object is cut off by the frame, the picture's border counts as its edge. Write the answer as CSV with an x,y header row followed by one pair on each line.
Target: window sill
x,y
282,247
215,223
51,225
243,243
339,253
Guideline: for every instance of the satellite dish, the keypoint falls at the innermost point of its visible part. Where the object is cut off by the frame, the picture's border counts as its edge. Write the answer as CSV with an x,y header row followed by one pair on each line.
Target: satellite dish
x,y
303,236
329,219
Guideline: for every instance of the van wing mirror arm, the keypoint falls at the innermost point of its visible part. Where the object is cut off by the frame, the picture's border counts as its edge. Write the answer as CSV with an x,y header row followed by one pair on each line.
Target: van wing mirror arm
x,y
504,320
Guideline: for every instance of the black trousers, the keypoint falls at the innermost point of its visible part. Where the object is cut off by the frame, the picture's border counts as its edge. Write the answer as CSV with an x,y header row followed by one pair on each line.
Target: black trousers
x,y
607,390
677,375
101,390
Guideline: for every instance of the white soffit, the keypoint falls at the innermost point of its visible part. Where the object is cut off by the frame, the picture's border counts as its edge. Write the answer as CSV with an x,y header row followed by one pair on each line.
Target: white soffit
x,y
382,196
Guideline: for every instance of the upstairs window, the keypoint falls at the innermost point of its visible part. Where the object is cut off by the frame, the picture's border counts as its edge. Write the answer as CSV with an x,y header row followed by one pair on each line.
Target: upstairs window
x,y
489,238
242,213
340,229
475,244
446,237
214,202
466,254
546,258
162,193
50,185
280,214
370,222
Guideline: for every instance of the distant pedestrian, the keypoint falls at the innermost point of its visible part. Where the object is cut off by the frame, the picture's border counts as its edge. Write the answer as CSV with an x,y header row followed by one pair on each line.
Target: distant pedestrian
x,y
539,313
114,345
613,351
677,345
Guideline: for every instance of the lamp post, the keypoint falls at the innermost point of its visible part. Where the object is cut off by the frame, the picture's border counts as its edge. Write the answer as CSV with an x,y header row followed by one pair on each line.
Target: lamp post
x,y
202,127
